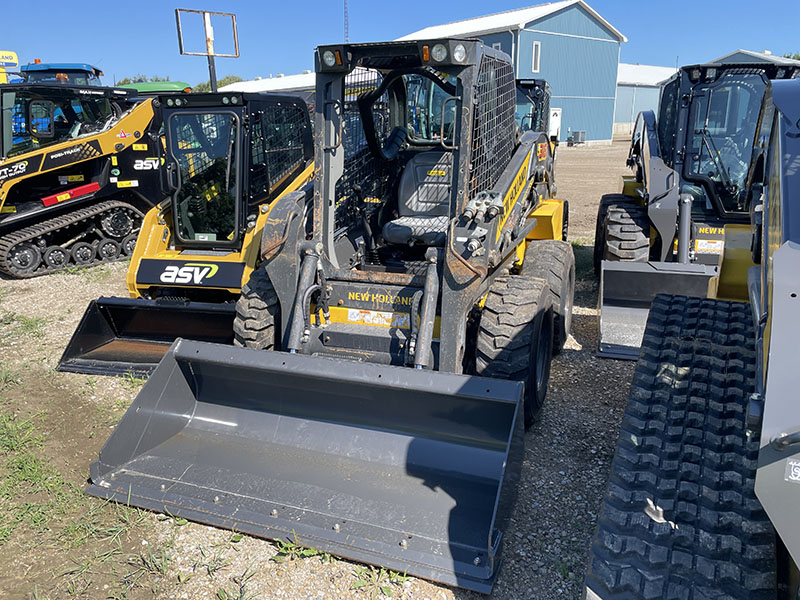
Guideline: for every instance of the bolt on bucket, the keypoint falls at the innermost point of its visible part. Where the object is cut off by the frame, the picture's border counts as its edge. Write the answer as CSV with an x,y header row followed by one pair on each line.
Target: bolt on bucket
x,y
412,470
125,335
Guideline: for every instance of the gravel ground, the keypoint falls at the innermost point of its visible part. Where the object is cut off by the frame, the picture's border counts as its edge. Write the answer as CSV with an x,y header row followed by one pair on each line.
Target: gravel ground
x,y
567,457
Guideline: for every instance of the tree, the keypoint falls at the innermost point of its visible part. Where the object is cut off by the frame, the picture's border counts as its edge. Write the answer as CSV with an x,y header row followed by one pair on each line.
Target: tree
x,y
793,56
206,85
140,78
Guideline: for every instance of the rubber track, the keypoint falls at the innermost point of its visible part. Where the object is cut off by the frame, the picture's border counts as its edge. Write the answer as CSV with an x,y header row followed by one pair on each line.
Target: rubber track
x,y
680,519
32,232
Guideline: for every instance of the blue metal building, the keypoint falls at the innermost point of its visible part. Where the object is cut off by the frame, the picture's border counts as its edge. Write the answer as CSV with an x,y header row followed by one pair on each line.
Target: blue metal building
x,y
638,89
566,43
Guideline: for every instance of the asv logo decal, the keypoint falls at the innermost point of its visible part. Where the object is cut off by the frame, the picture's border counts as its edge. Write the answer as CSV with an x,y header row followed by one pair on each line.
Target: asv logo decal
x,y
193,273
145,164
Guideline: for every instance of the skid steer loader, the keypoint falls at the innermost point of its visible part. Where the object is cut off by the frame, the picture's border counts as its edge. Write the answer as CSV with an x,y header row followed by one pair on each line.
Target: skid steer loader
x,y
663,233
397,336
228,156
704,489
73,187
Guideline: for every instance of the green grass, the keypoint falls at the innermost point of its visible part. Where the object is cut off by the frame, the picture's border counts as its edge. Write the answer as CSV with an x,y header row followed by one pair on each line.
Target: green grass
x,y
132,383
8,378
377,582
289,550
17,435
239,592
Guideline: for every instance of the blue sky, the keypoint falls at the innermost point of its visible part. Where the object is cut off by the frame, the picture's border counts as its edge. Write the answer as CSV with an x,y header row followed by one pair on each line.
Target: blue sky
x,y
125,38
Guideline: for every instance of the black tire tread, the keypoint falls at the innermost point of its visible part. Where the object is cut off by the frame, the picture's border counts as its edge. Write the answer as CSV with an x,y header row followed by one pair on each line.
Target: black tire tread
x,y
627,233
606,201
684,457
554,261
255,324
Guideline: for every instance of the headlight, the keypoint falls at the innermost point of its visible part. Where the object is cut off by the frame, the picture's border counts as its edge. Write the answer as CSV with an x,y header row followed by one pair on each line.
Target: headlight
x,y
234,99
225,100
459,53
170,102
178,101
329,58
439,53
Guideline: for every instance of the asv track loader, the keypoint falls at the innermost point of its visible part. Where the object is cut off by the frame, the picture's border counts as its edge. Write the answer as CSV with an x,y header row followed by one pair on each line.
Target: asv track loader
x,y
704,490
663,234
79,167
398,333
228,156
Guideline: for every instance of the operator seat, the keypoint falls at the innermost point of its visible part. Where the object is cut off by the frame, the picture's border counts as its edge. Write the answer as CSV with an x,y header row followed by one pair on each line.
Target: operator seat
x,y
423,201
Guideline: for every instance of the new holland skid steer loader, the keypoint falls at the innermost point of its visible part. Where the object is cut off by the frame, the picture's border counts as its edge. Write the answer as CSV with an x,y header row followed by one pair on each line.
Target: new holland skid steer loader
x,y
663,233
398,333
76,175
228,156
704,491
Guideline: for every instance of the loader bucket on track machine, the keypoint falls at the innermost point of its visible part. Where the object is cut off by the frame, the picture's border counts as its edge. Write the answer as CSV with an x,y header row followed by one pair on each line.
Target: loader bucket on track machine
x,y
627,290
125,335
412,470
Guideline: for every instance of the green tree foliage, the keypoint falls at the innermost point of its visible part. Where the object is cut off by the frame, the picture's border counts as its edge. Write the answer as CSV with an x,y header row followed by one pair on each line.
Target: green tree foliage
x,y
792,55
140,78
206,85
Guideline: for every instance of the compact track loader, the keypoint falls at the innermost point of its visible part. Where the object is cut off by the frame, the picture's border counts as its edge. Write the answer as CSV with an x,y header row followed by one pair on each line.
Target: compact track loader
x,y
663,233
704,489
228,156
78,170
397,335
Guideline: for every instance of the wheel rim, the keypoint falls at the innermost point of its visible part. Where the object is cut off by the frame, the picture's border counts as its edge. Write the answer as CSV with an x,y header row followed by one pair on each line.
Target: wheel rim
x,y
129,244
108,249
25,258
83,253
118,223
56,256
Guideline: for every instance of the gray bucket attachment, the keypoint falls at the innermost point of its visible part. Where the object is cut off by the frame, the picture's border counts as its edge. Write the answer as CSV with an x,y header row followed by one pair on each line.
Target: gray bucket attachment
x,y
627,290
126,335
412,470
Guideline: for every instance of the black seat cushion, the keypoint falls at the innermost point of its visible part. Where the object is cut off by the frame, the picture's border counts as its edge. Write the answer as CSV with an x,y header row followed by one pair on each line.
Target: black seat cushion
x,y
429,231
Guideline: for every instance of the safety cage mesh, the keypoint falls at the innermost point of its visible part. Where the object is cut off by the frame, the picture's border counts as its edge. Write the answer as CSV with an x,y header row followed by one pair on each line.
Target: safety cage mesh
x,y
276,145
494,123
360,166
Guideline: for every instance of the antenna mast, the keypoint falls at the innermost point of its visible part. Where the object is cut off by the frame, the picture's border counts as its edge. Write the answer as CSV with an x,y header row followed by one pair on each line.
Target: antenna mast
x,y
346,23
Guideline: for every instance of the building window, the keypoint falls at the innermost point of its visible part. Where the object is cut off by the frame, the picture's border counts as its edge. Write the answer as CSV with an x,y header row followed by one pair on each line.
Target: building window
x,y
537,56
497,46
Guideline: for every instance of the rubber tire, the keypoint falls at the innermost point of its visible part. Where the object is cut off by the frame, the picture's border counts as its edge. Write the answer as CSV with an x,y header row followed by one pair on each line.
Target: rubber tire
x,y
76,249
129,244
554,261
49,251
599,231
107,243
257,314
627,234
680,517
36,259
515,337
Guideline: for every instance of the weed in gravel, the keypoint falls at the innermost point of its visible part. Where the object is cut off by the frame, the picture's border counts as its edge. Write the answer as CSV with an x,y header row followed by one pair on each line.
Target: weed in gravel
x,y
131,382
289,550
212,562
8,378
105,521
19,325
240,591
377,582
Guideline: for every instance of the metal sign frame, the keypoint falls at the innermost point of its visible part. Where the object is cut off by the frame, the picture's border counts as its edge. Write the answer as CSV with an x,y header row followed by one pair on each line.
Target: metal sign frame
x,y
209,33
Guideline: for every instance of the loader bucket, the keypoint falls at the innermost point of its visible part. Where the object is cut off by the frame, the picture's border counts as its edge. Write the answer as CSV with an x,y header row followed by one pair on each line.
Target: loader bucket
x,y
126,335
627,290
412,470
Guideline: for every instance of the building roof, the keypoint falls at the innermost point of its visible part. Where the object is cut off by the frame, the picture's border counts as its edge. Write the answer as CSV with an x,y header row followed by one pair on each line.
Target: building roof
x,y
761,56
301,81
512,19
642,74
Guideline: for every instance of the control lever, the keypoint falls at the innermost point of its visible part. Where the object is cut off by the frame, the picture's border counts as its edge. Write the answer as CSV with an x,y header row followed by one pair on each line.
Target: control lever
x,y
371,246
